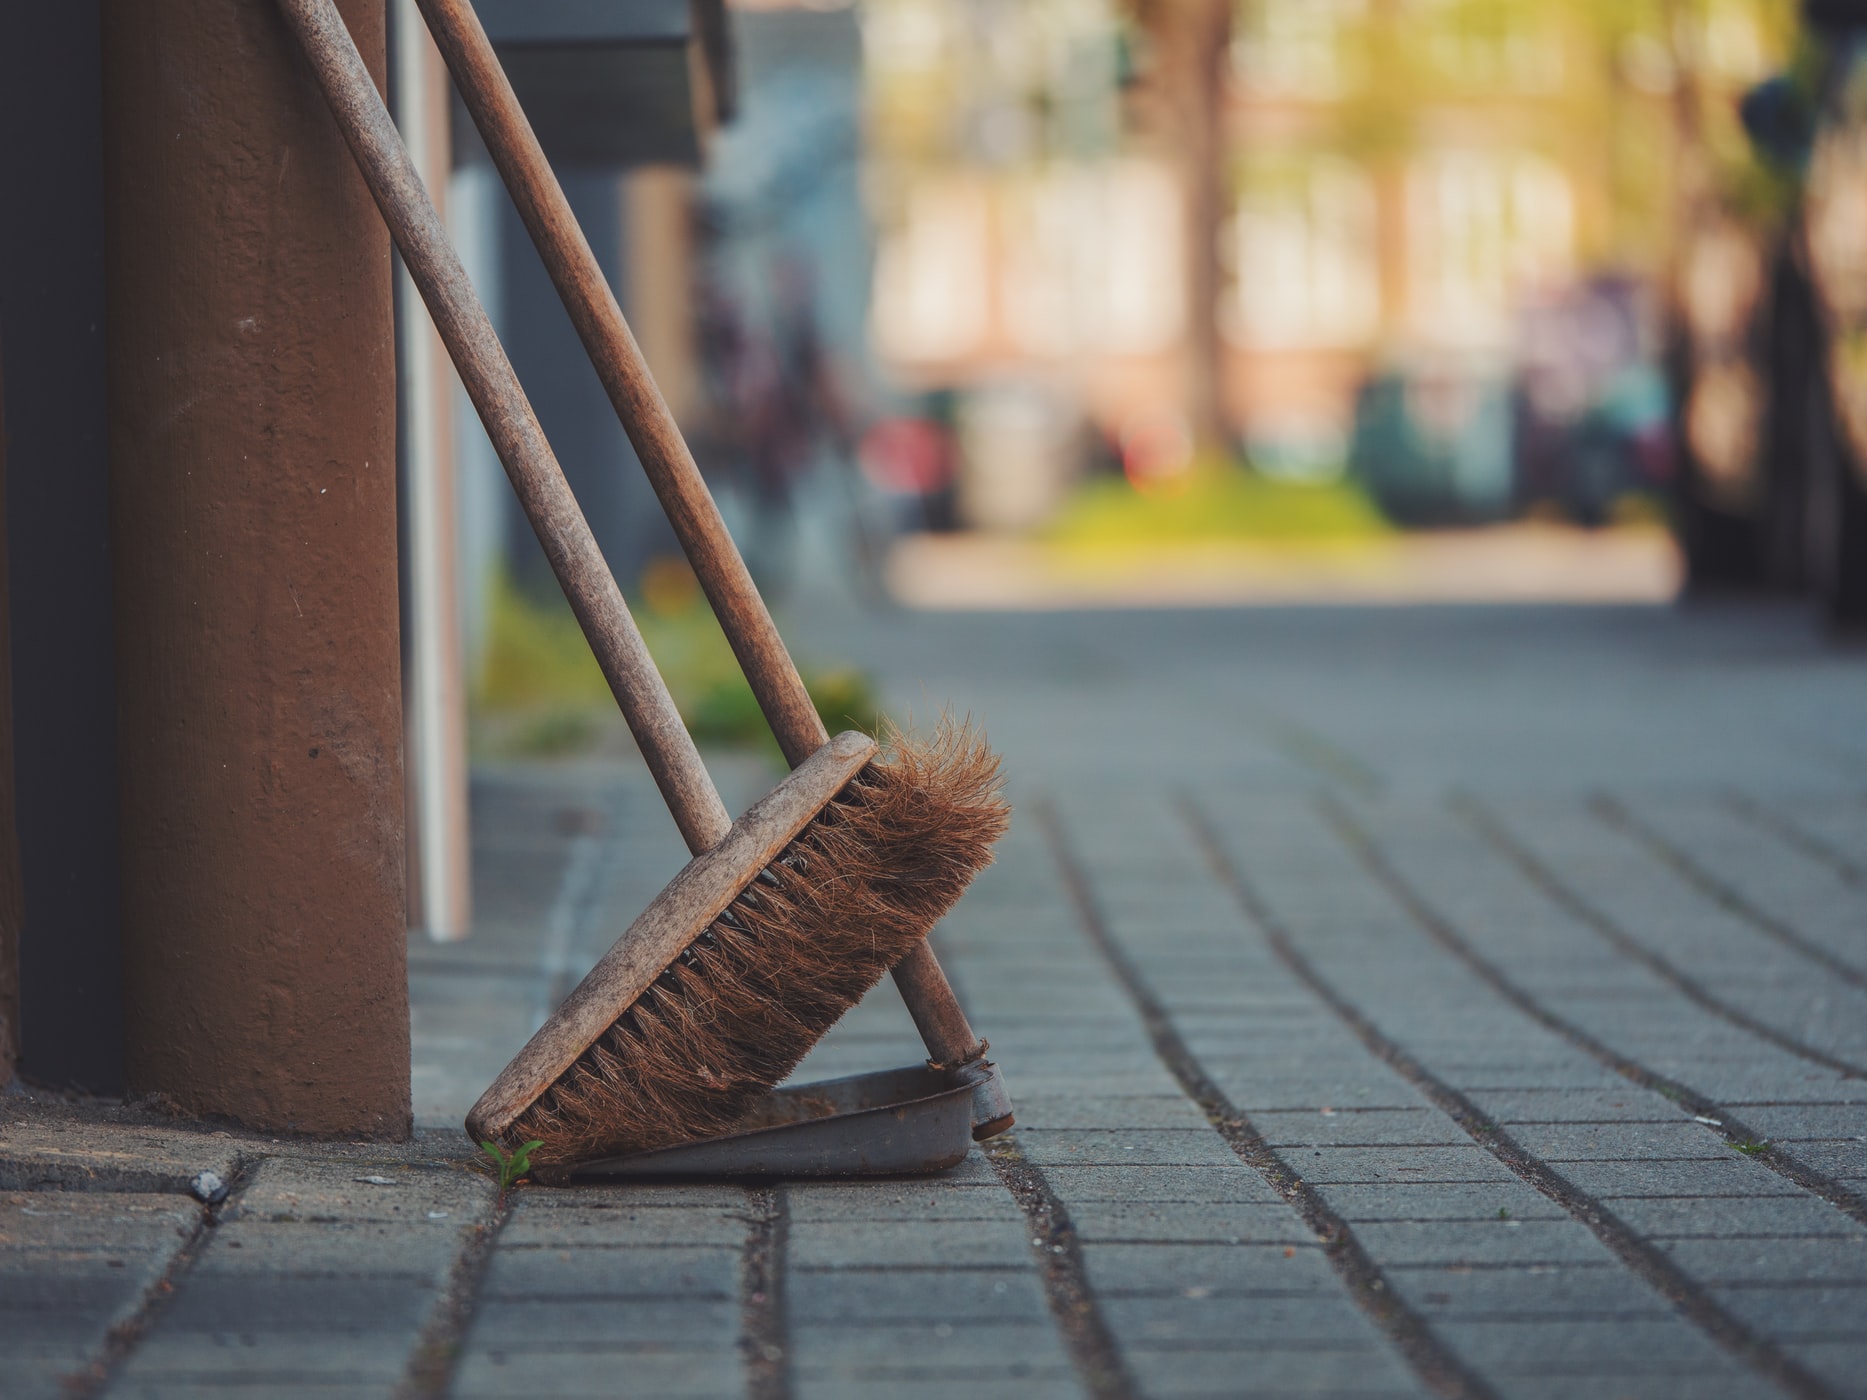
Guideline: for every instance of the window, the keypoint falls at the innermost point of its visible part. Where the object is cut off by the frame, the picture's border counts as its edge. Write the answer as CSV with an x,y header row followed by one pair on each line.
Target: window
x,y
1295,48
1305,259
1483,227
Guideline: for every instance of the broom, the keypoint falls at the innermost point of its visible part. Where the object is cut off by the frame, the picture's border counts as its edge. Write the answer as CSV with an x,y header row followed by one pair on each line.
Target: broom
x,y
783,920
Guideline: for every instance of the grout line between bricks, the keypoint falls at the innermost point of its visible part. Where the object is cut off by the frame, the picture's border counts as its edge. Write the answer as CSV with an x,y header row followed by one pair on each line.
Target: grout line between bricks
x,y
1617,815
122,1338
1493,832
763,1338
1793,834
1086,1334
436,1354
1321,756
1646,1263
1733,1130
1061,1270
1365,1283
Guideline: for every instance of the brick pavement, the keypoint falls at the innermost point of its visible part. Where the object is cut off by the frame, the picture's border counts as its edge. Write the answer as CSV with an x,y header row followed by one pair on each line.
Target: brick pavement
x,y
1397,1003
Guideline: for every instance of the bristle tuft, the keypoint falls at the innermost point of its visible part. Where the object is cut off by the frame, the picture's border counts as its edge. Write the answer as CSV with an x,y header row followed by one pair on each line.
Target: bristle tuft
x,y
745,1001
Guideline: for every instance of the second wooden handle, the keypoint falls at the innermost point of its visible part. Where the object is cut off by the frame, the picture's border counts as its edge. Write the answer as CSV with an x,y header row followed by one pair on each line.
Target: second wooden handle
x,y
665,458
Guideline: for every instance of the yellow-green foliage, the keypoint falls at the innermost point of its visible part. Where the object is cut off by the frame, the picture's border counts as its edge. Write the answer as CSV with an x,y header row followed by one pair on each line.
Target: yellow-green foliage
x,y
539,666
1216,502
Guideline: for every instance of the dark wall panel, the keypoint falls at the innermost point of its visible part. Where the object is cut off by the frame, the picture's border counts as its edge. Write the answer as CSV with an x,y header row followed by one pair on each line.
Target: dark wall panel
x,y
58,559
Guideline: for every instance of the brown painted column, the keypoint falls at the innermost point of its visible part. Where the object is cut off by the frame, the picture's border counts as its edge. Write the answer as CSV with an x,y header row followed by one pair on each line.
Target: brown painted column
x,y
252,453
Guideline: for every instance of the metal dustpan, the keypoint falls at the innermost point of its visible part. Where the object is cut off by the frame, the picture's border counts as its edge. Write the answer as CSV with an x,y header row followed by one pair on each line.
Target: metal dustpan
x,y
896,1122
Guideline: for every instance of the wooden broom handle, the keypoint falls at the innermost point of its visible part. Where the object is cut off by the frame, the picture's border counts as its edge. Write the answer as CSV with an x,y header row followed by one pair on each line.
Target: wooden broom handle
x,y
495,390
658,442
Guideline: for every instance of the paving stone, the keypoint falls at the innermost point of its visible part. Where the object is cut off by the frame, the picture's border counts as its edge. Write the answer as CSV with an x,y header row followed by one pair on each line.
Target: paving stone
x,y
1567,1346
1349,1164
953,1296
260,1386
1055,1111
81,1219
979,1346
860,1244
1570,1142
1822,1122
1693,1385
236,1303
598,1374
1266,1371
1845,1161
1120,1269
939,1387
809,1201
1527,1293
564,1227
1327,1127
61,1151
681,1324
1835,1260
1304,1320
1440,1201
1143,1183
1199,1146
1843,1364
1730,1175
227,1357
1481,1242
530,1200
1627,1104
1801,1311
618,1272
956,1369
251,1245
343,1191
1201,1223
1685,1217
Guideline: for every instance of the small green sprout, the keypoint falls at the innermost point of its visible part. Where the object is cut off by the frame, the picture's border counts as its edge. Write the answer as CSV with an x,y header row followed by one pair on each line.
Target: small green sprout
x,y
1751,1147
1502,1213
512,1165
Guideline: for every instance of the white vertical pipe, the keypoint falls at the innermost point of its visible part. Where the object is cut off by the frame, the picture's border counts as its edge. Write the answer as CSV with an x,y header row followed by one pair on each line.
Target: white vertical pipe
x,y
434,684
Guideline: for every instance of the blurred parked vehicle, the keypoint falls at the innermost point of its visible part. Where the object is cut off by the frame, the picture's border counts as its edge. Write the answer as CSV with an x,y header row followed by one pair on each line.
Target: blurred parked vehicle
x,y
1581,425
1593,415
1433,444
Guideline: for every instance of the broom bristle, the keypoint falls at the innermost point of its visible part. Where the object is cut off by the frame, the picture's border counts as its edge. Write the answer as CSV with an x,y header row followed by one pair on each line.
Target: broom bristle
x,y
734,1013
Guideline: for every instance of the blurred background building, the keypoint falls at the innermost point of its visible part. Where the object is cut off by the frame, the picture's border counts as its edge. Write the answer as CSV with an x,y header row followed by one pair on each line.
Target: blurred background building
x,y
1130,302
1449,216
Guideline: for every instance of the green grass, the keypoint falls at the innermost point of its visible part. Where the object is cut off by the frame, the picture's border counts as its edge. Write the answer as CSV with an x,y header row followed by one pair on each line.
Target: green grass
x,y
1216,502
539,672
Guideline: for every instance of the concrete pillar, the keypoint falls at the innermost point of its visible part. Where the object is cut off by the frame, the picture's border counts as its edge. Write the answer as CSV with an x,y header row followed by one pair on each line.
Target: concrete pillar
x,y
252,452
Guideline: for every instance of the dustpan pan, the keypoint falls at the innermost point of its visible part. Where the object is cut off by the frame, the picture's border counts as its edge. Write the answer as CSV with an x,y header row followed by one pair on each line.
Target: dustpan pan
x,y
896,1122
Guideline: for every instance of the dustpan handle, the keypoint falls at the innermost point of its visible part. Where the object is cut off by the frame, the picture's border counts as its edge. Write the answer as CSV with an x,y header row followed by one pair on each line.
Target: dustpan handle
x,y
665,458
495,390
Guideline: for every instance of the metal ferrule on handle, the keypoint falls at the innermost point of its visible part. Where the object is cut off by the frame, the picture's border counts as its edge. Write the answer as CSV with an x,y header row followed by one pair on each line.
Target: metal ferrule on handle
x,y
677,482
